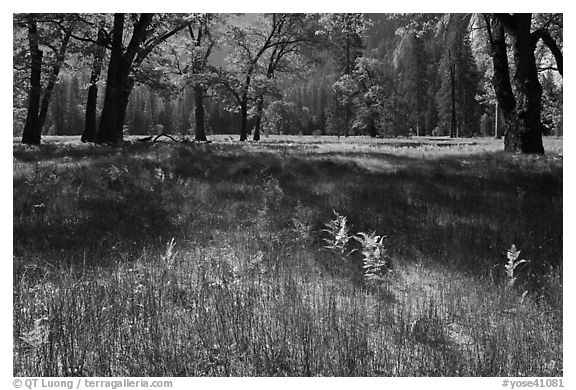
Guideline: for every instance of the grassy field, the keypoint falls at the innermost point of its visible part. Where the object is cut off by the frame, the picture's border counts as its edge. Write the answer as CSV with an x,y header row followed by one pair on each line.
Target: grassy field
x,y
185,259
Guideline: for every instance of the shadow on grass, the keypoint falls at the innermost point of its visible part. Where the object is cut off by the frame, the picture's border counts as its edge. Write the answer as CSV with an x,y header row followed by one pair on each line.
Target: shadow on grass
x,y
465,210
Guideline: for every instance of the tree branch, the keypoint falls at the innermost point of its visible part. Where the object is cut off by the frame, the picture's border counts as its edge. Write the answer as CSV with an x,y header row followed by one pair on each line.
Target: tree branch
x,y
489,29
138,36
177,62
191,32
231,89
142,53
552,45
207,54
91,40
548,22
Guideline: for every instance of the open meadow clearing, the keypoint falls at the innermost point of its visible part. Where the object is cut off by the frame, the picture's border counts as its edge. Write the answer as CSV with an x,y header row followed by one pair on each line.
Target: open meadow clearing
x,y
239,259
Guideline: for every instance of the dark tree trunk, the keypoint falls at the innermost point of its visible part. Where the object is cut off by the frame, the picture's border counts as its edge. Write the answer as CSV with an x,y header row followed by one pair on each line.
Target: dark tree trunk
x,y
258,120
110,124
528,137
52,80
114,109
32,130
372,128
244,104
244,118
198,65
119,82
520,113
199,113
501,78
90,125
347,118
453,124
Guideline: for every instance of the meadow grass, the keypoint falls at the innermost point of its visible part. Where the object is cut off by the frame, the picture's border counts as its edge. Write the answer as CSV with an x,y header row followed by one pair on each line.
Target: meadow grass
x,y
209,259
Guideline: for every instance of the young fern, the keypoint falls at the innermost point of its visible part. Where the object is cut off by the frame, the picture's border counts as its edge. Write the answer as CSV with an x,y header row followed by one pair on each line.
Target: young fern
x,y
512,254
338,236
376,262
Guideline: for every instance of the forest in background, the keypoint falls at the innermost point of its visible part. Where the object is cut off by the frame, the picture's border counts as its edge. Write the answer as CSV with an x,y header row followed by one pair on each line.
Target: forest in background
x,y
338,74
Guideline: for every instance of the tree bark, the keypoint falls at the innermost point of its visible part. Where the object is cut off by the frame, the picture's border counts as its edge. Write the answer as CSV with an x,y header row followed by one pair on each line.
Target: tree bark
x,y
501,78
119,81
52,80
32,130
199,113
259,113
198,67
372,130
528,137
244,118
110,125
114,110
244,103
347,118
453,124
520,113
90,125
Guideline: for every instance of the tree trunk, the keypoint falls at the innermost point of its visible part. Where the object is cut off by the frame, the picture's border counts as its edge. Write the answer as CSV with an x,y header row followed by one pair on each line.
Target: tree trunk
x,y
528,135
554,49
347,118
199,113
118,90
118,87
372,128
453,124
501,79
244,104
120,81
52,80
32,130
259,113
244,119
90,125
520,114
